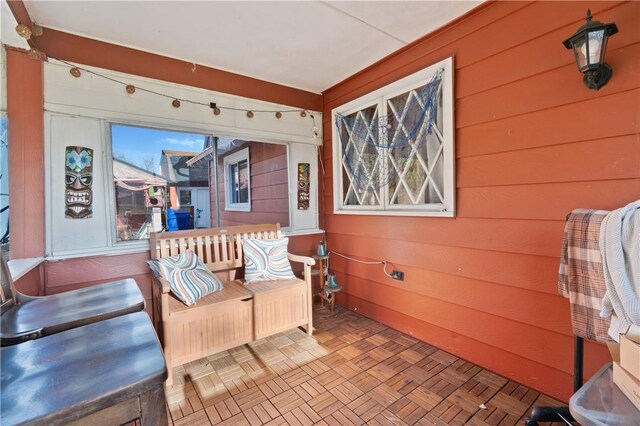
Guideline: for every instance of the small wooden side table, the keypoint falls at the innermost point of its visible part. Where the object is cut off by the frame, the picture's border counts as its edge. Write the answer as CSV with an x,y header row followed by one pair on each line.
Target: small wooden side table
x,y
325,296
109,372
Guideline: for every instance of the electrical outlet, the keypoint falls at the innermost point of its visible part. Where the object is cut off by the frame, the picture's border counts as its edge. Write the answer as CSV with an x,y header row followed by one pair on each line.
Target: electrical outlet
x,y
397,275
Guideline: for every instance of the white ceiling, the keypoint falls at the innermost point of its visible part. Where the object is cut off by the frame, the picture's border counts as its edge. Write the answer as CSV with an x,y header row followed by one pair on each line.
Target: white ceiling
x,y
311,45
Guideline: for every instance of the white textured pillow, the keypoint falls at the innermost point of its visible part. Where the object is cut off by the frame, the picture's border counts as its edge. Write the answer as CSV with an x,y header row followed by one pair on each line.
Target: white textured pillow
x,y
266,260
188,277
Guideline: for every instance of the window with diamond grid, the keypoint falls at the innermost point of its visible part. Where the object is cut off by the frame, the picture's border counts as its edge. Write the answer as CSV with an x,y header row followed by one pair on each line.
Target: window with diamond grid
x,y
394,148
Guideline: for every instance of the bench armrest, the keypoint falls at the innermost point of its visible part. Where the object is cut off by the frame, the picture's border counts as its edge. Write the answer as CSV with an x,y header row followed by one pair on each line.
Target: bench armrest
x,y
165,287
302,259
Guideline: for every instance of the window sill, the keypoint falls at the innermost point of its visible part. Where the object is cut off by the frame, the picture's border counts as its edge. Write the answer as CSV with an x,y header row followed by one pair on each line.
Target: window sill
x,y
287,233
18,268
237,209
137,247
424,213
140,247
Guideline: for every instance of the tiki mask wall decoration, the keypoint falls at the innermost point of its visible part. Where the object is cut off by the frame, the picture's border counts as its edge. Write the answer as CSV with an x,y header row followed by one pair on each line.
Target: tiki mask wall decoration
x,y
78,180
303,186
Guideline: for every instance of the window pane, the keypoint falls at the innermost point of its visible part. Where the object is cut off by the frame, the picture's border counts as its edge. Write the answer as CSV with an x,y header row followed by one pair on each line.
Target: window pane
x,y
233,182
255,178
155,188
185,197
243,182
361,157
415,155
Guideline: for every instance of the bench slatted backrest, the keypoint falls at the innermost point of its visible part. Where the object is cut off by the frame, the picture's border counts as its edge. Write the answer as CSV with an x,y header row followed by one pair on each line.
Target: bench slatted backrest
x,y
219,249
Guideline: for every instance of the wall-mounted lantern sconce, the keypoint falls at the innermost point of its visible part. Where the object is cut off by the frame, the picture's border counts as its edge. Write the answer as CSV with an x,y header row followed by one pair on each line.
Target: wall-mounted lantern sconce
x,y
589,44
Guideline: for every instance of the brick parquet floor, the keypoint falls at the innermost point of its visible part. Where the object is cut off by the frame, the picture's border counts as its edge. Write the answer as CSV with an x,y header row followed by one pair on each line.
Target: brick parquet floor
x,y
352,371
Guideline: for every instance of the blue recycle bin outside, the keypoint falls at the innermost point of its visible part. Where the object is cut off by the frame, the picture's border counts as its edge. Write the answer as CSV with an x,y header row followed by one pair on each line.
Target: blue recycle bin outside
x,y
172,220
184,219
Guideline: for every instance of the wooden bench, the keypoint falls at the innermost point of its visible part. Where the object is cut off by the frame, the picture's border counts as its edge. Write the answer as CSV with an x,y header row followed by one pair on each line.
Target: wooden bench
x,y
237,314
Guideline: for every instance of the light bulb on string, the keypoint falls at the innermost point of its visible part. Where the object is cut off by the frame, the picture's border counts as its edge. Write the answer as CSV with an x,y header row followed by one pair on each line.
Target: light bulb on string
x,y
76,72
24,31
36,30
36,54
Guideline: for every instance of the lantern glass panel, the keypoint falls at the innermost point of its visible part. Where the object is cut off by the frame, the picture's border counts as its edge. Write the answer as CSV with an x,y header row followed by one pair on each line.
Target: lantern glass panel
x,y
580,52
594,49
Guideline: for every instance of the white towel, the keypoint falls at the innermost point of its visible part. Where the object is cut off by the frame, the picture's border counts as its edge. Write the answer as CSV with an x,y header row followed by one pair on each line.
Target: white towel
x,y
620,249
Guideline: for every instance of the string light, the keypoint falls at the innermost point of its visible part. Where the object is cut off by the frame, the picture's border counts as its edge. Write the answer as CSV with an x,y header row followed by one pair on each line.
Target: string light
x,y
23,31
76,71
36,54
36,30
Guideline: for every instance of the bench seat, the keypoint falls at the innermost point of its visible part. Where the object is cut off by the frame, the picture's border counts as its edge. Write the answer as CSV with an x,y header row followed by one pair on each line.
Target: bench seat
x,y
233,291
235,315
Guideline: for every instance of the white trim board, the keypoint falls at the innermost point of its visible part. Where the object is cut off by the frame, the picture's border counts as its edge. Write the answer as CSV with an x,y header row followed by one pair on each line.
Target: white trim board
x,y
93,96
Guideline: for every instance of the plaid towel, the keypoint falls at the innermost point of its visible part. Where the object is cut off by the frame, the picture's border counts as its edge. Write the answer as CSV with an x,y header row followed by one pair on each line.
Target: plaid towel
x,y
581,277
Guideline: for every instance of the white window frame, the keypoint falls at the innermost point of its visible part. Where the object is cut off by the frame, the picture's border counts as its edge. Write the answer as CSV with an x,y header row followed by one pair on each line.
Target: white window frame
x,y
229,160
78,100
379,97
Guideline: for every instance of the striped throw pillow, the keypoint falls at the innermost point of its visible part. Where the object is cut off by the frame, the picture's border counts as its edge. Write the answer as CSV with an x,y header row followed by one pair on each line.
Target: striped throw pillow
x,y
266,260
188,277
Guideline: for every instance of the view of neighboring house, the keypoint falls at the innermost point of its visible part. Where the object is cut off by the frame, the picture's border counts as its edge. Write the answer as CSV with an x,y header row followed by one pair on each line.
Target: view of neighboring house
x,y
188,186
253,183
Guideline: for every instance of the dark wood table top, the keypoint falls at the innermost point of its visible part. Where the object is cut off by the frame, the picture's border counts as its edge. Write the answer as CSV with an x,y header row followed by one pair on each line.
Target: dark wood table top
x,y
42,316
65,376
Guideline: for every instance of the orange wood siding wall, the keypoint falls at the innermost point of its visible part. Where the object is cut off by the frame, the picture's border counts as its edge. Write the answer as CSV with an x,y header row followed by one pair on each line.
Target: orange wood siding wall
x,y
31,283
532,143
26,155
269,187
